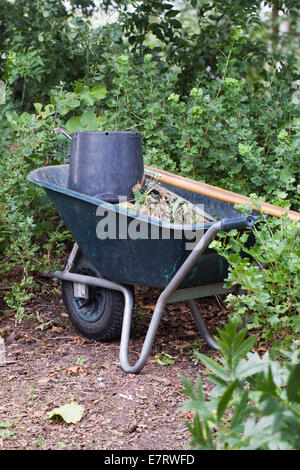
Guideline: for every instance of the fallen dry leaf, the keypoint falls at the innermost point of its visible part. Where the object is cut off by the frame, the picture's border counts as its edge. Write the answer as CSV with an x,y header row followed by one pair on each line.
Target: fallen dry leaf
x,y
74,370
71,413
57,329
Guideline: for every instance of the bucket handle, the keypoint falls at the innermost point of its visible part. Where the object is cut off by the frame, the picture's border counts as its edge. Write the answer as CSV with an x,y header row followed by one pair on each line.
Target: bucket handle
x,y
59,130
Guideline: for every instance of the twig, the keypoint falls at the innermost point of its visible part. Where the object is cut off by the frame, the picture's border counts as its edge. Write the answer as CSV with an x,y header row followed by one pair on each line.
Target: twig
x,y
8,363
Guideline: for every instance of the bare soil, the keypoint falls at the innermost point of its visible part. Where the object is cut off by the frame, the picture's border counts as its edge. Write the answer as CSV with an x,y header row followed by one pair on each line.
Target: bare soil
x,y
49,363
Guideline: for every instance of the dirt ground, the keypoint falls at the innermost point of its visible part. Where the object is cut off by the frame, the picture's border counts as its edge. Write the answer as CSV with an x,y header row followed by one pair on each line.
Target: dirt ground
x,y
49,363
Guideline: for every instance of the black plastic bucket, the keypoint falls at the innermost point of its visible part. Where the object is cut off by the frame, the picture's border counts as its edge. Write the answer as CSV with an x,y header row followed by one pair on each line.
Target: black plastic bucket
x,y
106,165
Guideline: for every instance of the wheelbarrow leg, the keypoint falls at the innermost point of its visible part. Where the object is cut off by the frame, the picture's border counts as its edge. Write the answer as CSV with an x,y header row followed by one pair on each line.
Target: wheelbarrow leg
x,y
146,349
201,325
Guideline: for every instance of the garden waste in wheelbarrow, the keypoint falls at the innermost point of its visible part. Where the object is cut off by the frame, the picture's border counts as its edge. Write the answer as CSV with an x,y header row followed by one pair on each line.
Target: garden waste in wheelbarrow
x,y
102,267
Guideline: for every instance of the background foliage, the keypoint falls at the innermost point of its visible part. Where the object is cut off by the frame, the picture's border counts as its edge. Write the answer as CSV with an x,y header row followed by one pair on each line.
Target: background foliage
x,y
213,86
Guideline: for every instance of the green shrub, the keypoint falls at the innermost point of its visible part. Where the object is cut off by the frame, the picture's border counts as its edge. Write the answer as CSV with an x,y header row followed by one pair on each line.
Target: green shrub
x,y
254,403
229,131
269,277
28,221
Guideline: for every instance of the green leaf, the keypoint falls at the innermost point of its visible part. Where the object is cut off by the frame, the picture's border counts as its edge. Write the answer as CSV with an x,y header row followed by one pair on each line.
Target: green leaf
x,y
164,359
252,365
214,366
176,23
233,346
244,349
197,400
225,399
189,389
73,124
70,412
6,424
89,121
71,103
260,432
241,411
99,92
266,384
201,435
37,107
172,13
293,384
84,94
101,120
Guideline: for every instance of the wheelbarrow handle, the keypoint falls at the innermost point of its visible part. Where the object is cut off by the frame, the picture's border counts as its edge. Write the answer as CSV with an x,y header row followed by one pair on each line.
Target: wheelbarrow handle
x,y
238,223
225,224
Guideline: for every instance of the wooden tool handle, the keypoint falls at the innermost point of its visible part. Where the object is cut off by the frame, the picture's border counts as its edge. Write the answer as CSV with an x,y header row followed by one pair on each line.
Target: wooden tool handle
x,y
215,192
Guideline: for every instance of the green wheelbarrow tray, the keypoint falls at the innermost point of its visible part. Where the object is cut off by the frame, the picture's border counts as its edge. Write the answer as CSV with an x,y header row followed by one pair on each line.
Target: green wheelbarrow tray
x,y
155,254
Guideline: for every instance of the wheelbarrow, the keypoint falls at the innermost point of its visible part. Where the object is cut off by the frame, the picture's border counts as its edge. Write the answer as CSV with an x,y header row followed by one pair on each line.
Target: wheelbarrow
x,y
101,270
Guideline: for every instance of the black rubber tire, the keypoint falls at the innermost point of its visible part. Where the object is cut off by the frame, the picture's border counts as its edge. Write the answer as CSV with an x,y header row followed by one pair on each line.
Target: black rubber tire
x,y
108,326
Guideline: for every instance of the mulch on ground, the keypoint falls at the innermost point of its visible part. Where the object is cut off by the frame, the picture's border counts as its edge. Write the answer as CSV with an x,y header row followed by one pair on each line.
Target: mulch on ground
x,y
49,363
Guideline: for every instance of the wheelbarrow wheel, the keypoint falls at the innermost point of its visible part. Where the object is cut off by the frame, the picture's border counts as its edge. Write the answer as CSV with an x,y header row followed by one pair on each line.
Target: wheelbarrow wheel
x,y
100,315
